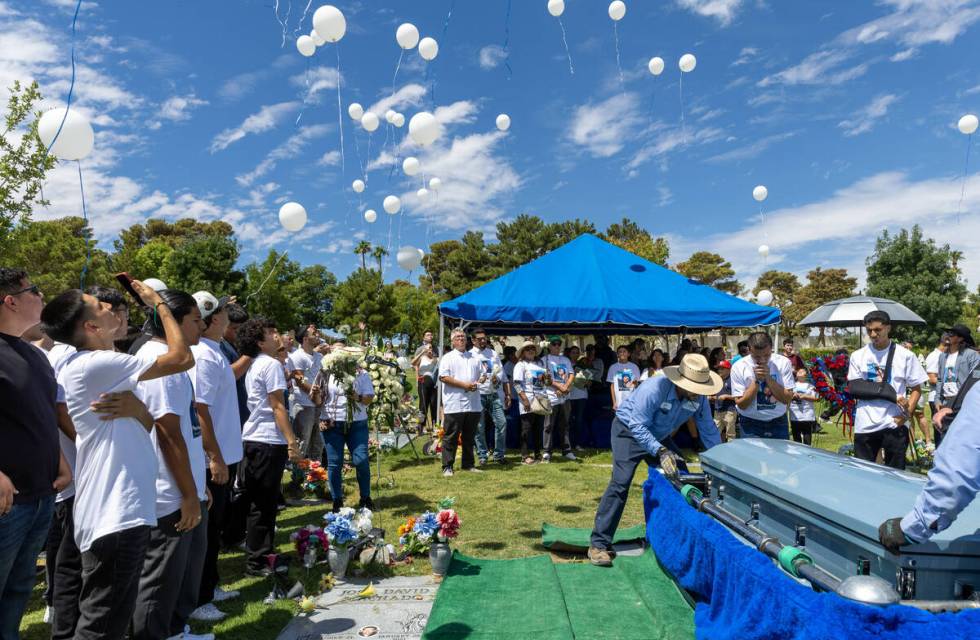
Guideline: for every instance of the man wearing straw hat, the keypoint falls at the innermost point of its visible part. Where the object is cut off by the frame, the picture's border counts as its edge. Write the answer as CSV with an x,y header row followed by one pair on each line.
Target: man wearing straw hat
x,y
642,430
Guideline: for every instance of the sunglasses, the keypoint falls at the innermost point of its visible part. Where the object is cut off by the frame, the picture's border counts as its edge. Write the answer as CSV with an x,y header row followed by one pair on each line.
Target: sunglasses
x,y
36,290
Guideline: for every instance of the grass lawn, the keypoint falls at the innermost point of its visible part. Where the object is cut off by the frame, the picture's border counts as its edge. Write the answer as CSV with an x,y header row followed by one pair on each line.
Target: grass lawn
x,y
502,511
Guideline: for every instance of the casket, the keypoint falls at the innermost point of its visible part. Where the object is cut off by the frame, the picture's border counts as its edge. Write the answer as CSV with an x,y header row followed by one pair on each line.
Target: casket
x,y
831,505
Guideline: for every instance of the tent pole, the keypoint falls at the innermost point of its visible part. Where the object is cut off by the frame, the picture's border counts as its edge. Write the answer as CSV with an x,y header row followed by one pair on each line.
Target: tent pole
x,y
442,341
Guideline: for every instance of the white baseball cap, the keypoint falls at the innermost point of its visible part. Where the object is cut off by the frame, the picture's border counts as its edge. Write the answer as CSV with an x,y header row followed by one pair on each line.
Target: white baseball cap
x,y
208,304
155,284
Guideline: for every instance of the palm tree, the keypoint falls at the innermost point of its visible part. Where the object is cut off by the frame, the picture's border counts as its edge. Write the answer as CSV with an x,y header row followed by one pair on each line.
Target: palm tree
x,y
362,249
379,254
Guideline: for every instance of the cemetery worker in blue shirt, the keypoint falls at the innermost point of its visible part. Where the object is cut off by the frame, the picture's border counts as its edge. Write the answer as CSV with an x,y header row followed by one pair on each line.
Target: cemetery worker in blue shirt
x,y
642,429
953,483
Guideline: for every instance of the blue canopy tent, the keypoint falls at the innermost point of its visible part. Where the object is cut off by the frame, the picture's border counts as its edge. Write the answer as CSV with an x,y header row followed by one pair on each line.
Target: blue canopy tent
x,y
591,286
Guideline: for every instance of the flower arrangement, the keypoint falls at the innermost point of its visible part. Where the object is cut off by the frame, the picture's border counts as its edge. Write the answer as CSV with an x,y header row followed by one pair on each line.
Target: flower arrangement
x,y
388,392
417,534
308,476
345,526
820,372
343,365
309,537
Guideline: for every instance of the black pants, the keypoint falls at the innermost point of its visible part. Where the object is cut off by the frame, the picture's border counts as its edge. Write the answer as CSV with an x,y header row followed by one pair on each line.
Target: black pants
x,y
111,571
216,521
556,428
464,423
893,442
802,430
262,469
531,426
66,574
626,455
428,400
233,527
55,534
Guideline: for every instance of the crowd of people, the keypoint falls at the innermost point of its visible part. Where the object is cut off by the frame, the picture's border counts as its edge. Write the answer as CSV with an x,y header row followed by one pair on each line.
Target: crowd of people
x,y
132,458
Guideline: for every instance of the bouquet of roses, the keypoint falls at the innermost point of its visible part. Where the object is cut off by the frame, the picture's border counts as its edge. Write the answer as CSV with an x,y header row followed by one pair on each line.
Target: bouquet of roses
x,y
343,365
448,520
309,537
316,479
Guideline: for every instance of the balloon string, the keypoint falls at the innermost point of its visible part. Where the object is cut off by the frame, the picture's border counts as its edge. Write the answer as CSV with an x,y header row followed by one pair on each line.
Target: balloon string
x,y
619,65
966,169
398,66
680,93
442,41
303,17
510,72
88,244
283,23
71,86
564,40
340,116
271,273
307,93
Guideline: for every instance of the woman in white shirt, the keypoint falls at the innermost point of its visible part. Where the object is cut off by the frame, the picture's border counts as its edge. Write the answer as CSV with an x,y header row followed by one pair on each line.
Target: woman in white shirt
x,y
530,381
426,365
656,367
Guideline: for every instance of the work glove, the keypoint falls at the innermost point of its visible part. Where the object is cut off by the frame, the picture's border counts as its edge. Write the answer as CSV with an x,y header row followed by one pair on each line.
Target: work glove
x,y
668,462
891,536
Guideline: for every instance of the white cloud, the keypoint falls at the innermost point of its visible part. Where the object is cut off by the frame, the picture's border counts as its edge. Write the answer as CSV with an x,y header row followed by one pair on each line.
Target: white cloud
x,y
831,66
316,80
865,119
329,159
491,56
266,118
745,56
293,147
721,10
408,96
752,149
603,129
663,139
664,196
176,109
904,55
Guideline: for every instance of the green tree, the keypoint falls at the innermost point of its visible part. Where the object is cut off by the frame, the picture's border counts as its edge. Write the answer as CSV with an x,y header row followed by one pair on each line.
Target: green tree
x,y
637,240
54,254
417,311
22,165
362,249
924,276
364,298
822,286
711,269
529,237
379,253
784,286
267,290
453,267
313,290
132,255
205,262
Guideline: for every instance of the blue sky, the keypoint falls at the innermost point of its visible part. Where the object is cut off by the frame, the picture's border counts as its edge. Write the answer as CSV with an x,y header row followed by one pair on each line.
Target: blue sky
x,y
846,111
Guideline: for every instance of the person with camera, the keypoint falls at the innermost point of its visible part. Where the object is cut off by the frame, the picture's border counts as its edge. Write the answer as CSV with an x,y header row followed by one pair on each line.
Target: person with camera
x,y
762,383
642,430
878,376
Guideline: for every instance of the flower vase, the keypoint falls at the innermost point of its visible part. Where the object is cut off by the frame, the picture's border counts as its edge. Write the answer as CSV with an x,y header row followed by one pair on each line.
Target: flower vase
x,y
338,557
440,555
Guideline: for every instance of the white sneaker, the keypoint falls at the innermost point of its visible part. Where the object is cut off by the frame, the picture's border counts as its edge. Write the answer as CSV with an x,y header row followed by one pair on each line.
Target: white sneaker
x,y
220,595
546,458
570,456
475,470
48,614
207,613
447,473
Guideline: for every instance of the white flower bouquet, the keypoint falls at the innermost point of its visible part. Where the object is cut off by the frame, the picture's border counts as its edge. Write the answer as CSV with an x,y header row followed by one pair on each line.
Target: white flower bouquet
x,y
343,365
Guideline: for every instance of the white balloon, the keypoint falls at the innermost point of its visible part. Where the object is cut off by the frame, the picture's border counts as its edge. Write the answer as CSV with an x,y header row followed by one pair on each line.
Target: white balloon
x,y
370,215
355,111
292,216
408,258
407,36
503,122
357,185
556,7
370,121
617,9
764,250
435,184
411,166
330,23
76,138
428,48
687,63
317,40
389,114
764,297
968,124
306,46
423,194
760,193
424,129
392,204
656,65
421,255
398,120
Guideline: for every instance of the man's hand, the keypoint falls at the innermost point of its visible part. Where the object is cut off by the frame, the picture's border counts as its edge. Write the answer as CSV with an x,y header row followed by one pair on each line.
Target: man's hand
x,y
761,372
292,448
123,404
507,403
891,536
219,471
668,462
190,514
147,294
64,475
210,497
326,425
903,403
470,386
297,375
527,404
937,418
899,421
7,493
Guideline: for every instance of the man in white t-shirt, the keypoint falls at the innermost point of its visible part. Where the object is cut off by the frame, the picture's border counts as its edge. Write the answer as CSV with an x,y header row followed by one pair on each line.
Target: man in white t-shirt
x,y
932,370
880,424
116,464
459,373
216,404
495,398
171,580
762,383
556,425
268,440
304,363
623,377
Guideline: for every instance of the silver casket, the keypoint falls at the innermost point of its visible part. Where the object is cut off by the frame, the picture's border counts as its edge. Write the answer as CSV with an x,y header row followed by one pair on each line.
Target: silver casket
x,y
831,506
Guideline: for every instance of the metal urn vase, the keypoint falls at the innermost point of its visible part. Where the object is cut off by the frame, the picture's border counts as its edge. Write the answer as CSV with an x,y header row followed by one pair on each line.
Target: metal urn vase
x,y
440,555
338,557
